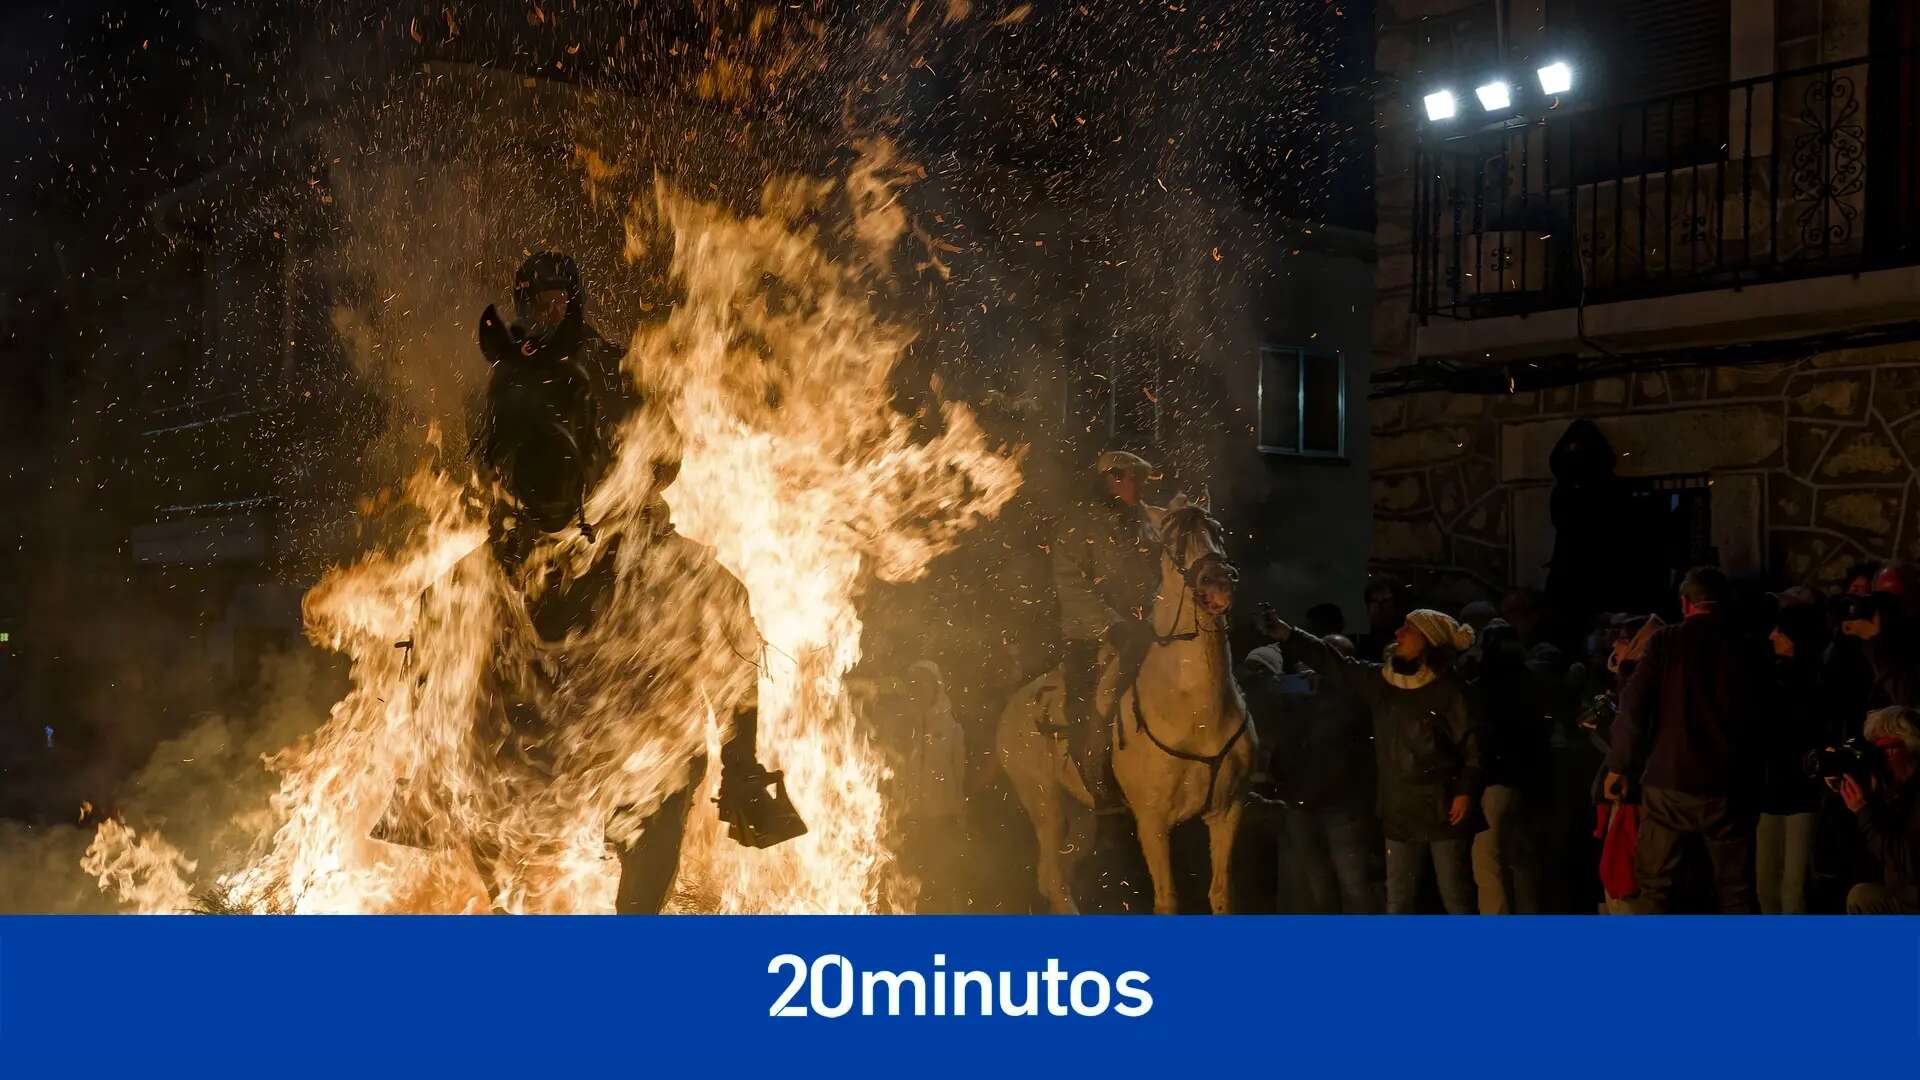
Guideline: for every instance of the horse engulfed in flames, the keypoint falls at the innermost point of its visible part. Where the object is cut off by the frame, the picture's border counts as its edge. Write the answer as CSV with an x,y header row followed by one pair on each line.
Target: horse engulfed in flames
x,y
797,473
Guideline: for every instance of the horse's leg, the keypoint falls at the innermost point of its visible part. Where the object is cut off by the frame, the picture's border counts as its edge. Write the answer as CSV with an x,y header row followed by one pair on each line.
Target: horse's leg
x,y
649,868
484,851
1049,828
1156,845
1221,827
1030,761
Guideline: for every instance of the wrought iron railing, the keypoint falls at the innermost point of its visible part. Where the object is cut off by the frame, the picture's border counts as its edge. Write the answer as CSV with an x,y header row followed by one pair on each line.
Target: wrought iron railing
x,y
1795,174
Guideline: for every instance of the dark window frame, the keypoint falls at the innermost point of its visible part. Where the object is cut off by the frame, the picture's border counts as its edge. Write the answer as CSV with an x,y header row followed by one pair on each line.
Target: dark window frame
x,y
1301,354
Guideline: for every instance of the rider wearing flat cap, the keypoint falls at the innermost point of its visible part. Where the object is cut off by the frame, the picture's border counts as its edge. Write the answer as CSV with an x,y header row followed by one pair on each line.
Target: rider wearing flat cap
x,y
1105,570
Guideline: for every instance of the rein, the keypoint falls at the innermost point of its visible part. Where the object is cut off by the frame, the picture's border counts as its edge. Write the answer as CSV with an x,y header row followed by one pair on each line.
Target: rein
x,y
1212,761
1189,576
1168,638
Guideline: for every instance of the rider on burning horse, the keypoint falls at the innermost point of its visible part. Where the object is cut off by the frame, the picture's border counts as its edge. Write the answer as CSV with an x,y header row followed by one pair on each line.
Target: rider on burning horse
x,y
1105,569
556,396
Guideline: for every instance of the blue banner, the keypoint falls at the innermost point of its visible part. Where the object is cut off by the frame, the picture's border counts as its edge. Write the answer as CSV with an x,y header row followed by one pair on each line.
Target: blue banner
x,y
976,997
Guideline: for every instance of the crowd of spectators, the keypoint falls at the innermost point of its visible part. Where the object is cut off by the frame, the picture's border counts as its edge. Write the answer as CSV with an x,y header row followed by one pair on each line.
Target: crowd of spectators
x,y
1742,752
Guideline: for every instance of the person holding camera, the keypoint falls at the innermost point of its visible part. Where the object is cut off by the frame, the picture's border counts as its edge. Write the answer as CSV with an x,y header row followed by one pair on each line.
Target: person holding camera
x,y
1883,791
1684,729
1844,666
1884,623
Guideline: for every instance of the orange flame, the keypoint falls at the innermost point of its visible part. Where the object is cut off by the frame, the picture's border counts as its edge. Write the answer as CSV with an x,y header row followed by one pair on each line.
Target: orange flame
x,y
799,477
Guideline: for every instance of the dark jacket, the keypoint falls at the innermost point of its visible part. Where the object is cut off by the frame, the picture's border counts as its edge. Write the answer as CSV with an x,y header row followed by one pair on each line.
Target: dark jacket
x,y
1688,715
553,407
1799,717
1426,745
1319,742
1894,656
1514,703
1892,830
1848,675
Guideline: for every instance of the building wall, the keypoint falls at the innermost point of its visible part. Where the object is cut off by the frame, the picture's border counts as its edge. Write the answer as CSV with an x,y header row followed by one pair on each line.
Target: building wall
x,y
1811,461
1306,523
1812,465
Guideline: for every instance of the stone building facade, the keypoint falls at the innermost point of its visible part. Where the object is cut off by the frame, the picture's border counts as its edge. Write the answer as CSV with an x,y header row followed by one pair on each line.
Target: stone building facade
x,y
1753,369
1810,464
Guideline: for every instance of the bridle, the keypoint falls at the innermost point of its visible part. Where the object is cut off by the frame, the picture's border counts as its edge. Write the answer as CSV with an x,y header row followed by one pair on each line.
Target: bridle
x,y
1192,571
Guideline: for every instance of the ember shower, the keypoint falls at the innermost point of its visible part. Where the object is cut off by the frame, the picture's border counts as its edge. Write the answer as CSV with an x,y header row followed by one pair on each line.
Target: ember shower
x,y
774,364
757,191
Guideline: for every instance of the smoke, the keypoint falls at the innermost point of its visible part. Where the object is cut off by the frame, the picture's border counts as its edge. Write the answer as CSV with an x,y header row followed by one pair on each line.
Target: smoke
x,y
206,787
41,866
406,194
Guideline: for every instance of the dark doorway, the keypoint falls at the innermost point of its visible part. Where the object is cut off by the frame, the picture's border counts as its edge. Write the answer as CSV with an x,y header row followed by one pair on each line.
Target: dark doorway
x,y
1672,517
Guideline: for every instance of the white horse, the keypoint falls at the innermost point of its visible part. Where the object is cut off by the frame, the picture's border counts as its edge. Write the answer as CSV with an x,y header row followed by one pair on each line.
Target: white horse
x,y
1182,745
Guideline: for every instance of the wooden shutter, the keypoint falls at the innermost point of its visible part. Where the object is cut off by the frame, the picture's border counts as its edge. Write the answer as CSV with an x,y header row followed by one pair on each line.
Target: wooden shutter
x,y
1660,47
1647,50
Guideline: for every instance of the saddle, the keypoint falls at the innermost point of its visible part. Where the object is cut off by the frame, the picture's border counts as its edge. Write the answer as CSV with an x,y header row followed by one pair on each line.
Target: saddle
x,y
1118,672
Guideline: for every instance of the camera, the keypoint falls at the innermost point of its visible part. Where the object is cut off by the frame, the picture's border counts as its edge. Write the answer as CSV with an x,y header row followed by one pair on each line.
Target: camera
x,y
1855,757
1849,607
1597,714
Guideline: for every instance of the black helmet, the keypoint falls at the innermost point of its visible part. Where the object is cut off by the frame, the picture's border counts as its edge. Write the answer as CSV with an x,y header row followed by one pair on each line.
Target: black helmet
x,y
545,270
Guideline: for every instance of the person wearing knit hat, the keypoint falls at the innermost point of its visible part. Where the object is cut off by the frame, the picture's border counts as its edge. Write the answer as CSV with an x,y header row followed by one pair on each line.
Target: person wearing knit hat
x,y
1886,807
1478,613
1442,629
1426,746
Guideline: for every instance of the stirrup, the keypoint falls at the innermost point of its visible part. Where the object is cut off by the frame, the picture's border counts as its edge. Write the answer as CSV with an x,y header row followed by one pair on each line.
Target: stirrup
x,y
756,809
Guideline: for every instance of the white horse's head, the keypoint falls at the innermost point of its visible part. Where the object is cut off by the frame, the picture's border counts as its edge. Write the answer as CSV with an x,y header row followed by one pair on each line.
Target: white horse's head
x,y
1193,547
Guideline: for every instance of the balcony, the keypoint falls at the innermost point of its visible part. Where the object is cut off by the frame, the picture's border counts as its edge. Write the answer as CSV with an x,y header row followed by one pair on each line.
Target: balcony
x,y
1747,188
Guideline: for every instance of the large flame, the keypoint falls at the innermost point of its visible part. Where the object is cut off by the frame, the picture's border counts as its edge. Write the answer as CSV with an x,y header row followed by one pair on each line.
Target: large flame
x,y
770,382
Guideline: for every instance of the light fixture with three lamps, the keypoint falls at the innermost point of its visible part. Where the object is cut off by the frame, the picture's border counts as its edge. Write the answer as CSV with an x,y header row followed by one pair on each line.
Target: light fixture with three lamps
x,y
1497,96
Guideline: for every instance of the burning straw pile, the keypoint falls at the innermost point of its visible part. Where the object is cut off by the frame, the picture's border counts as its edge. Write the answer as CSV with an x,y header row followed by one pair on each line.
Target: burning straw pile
x,y
769,382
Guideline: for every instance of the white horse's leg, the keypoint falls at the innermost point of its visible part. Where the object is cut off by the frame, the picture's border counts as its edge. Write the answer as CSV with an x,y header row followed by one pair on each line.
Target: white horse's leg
x,y
1156,845
1049,827
1030,762
1221,827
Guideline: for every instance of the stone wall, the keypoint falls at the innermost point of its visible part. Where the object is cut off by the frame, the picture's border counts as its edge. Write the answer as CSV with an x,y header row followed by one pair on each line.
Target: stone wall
x,y
1812,465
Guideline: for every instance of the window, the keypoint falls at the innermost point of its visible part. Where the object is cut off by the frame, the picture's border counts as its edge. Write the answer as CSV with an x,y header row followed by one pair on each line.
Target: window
x,y
1303,403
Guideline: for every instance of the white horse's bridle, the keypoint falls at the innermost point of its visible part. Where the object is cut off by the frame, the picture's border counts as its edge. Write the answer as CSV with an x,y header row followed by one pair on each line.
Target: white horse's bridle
x,y
1190,572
